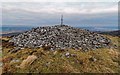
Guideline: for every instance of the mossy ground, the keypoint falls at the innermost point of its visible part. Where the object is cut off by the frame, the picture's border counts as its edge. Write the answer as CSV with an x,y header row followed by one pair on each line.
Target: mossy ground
x,y
107,60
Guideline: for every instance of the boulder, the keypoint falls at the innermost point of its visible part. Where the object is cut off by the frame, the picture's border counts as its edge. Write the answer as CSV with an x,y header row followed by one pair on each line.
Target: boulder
x,y
30,59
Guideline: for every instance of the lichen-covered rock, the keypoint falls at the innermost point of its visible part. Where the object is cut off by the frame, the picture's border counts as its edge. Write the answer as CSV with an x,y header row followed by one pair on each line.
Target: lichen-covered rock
x,y
60,37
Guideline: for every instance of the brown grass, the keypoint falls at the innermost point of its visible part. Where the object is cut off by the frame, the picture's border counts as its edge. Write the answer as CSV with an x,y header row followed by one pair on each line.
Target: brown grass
x,y
46,61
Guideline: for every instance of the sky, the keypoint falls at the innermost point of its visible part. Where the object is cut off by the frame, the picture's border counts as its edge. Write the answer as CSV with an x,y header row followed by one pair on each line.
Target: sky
x,y
59,0
49,13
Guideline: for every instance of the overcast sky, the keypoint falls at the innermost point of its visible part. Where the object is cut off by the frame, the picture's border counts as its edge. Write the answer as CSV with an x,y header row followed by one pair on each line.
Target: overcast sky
x,y
48,13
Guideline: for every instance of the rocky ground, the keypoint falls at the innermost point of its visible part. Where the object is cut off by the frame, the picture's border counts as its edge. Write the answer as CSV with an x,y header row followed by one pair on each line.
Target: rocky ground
x,y
60,37
43,60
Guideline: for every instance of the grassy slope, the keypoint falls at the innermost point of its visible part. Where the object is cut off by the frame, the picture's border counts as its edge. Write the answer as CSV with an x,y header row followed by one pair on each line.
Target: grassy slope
x,y
107,60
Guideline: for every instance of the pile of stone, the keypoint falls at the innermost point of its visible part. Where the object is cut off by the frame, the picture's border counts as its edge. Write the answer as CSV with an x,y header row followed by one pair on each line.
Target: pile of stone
x,y
60,37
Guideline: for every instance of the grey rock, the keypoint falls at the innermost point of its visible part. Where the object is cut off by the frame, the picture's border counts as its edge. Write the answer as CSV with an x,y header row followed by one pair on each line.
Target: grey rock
x,y
15,60
1,64
67,54
93,59
15,50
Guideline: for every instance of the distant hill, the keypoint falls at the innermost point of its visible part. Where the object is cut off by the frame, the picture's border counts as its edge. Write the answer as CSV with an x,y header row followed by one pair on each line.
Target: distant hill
x,y
112,33
10,34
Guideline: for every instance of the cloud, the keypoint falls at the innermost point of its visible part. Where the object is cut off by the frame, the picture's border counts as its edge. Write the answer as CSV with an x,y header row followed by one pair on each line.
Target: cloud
x,y
59,0
71,8
48,13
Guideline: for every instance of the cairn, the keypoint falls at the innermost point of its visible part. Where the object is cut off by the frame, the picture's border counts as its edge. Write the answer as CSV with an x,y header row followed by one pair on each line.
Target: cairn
x,y
60,37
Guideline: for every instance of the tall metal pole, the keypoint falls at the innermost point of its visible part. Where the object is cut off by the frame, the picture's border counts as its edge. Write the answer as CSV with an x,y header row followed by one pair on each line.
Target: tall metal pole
x,y
61,19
